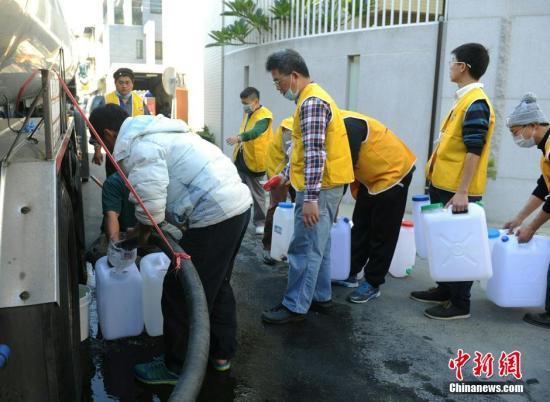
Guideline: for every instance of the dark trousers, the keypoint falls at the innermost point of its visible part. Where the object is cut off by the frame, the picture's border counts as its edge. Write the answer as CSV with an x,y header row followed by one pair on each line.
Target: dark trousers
x,y
459,292
376,224
213,250
277,195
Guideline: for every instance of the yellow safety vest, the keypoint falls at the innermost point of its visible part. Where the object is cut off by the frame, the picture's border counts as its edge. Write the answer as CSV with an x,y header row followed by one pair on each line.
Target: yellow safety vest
x,y
276,155
445,167
254,151
545,163
338,165
137,102
384,160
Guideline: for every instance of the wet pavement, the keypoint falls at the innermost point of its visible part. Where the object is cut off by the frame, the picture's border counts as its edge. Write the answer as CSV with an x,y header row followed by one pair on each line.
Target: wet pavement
x,y
385,350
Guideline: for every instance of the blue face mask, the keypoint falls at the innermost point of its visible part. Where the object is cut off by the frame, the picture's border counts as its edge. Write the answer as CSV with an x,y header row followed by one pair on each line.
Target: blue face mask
x,y
247,109
290,95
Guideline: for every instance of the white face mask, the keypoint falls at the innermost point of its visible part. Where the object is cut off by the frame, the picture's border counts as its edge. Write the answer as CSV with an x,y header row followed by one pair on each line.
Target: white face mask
x,y
521,141
290,95
247,108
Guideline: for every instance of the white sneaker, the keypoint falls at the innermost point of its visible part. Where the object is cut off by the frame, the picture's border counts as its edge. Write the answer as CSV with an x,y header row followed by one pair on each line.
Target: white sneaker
x,y
260,230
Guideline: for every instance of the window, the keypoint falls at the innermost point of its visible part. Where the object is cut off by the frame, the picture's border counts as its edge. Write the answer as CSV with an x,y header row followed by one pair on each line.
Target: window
x,y
119,12
156,6
137,12
158,51
139,49
246,76
353,82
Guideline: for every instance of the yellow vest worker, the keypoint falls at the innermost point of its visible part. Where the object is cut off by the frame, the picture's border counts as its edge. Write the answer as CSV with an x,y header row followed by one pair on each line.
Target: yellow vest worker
x,y
338,168
530,128
254,151
445,167
383,160
276,157
545,163
138,108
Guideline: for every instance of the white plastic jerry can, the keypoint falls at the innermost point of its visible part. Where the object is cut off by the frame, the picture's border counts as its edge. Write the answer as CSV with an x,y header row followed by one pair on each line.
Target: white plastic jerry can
x,y
458,244
340,249
519,272
153,268
494,237
283,229
119,300
420,241
404,255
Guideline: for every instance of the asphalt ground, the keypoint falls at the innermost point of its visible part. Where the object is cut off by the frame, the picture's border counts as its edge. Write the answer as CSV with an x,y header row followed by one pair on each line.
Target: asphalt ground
x,y
384,350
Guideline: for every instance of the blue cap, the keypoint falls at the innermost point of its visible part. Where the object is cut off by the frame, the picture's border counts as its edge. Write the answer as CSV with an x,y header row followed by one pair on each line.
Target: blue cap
x,y
493,233
285,205
421,197
504,238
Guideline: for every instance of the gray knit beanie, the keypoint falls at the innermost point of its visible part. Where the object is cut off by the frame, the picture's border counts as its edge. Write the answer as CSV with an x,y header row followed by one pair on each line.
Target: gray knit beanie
x,y
527,112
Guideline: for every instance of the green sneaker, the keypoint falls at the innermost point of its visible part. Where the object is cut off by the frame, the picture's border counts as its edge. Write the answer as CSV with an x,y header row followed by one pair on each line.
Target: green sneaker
x,y
155,373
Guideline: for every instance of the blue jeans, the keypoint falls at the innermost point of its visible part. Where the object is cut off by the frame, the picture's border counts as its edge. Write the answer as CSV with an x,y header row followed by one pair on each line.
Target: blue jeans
x,y
309,254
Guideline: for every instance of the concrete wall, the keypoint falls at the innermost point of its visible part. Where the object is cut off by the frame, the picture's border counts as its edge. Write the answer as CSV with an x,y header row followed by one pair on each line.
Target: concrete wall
x,y
396,80
397,75
517,36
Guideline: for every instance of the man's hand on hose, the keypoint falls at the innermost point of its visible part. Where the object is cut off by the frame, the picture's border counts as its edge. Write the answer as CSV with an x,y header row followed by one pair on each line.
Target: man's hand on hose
x,y
142,232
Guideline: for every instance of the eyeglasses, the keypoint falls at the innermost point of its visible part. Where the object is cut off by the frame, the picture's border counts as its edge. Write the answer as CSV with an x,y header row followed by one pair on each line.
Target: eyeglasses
x,y
277,83
459,62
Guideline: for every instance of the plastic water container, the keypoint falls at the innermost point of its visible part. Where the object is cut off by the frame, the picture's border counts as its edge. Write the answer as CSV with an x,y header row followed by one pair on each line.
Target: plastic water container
x,y
153,268
283,229
458,244
119,300
494,236
85,296
340,249
519,272
405,252
420,241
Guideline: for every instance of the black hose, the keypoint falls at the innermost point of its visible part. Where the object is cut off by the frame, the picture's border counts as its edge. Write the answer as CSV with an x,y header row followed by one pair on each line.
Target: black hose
x,y
198,344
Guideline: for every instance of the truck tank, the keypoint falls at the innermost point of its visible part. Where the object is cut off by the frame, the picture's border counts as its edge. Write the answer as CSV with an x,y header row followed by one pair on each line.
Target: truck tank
x,y
32,32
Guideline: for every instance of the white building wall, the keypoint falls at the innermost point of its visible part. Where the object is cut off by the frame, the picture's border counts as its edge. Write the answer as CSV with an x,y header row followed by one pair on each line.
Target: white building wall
x,y
122,43
213,73
183,25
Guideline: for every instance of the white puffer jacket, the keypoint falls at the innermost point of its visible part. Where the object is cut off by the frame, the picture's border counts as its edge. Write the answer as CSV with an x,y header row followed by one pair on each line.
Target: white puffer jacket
x,y
180,177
